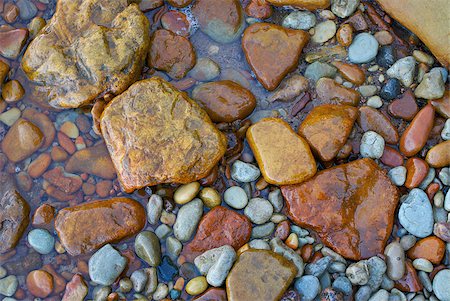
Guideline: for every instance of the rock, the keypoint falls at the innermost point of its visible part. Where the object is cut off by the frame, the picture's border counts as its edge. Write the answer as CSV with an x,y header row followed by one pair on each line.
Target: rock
x,y
344,8
430,248
224,101
380,295
235,197
92,160
106,265
8,285
39,283
258,9
317,70
442,105
223,23
216,264
12,42
432,86
445,134
148,248
323,32
259,210
308,287
438,156
31,139
205,69
196,286
372,145
319,267
303,4
330,92
358,273
398,175
289,160
299,19
271,276
98,223
173,247
76,289
289,88
43,122
12,91
264,230
171,53
41,241
187,220
410,282
39,165
327,127
417,171
166,270
343,285
280,248
27,9
14,214
405,107
391,89
186,193
35,26
395,260
416,214
335,223
440,285
195,144
259,49
370,119
416,134
139,279
219,227
403,70
176,22
154,209
377,268
368,90
244,172
344,35
4,70
179,3
108,39
363,49
216,294
351,72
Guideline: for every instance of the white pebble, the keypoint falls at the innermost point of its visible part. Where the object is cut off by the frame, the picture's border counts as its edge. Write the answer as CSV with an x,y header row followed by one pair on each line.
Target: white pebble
x,y
375,102
372,145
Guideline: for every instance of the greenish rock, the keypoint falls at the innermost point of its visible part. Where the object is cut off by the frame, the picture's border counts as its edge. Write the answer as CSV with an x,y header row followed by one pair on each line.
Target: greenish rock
x,y
41,241
173,247
205,70
8,285
317,70
106,265
148,248
163,231
188,218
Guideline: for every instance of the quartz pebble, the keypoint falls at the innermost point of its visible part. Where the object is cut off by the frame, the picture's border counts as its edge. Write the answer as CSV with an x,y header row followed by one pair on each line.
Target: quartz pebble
x,y
416,214
403,70
235,197
445,133
375,102
8,285
372,145
259,210
432,86
363,49
358,273
244,172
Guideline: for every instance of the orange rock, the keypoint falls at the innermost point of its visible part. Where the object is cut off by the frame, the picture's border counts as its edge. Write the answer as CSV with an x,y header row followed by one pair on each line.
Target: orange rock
x,y
442,105
272,51
439,155
410,282
176,22
22,140
59,283
304,4
405,107
431,248
12,42
40,283
417,170
371,119
39,165
259,9
283,156
67,183
344,35
327,127
43,123
76,289
103,188
66,143
391,157
416,134
329,91
351,72
350,214
92,160
58,154
86,227
43,217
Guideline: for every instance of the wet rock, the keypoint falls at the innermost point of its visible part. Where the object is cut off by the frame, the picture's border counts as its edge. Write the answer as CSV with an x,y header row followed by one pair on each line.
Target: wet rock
x,y
323,32
440,285
327,127
279,247
41,241
317,70
335,223
299,19
167,270
76,289
410,282
403,70
289,88
259,9
351,72
179,3
370,119
195,144
4,70
43,216
395,260
106,265
260,51
398,175
442,105
92,160
108,39
98,223
12,42
216,294
148,248
35,26
308,287
205,69
438,155
391,89
244,172
40,283
224,101
417,171
372,145
12,91
416,214
289,160
14,214
176,22
386,57
432,86
171,53
329,91
43,122
27,9
216,264
187,220
235,197
405,107
358,273
344,8
303,4
416,134
343,285
344,35
8,285
154,209
39,165
64,182
363,49
259,210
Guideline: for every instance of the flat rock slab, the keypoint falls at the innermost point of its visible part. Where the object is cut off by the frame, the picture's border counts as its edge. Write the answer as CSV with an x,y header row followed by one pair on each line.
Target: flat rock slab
x,y
156,134
87,227
350,206
88,47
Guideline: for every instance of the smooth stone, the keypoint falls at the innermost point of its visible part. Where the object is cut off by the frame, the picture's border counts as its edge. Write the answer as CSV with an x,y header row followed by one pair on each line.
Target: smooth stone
x,y
280,248
308,287
154,209
163,231
41,241
76,289
407,242
422,264
417,171
276,199
259,244
330,92
358,273
445,133
244,172
395,260
162,290
303,20
363,49
12,41
343,285
372,145
368,90
430,248
289,88
442,105
317,70
27,9
351,72
173,247
432,86
363,293
381,295
216,264
385,57
92,160
259,210
323,32
258,9
391,89
205,69
167,270
9,285
398,175
186,193
139,279
106,265
410,282
264,230
371,119
344,8
148,248
235,197
439,156
303,4
319,267
416,214
440,285
404,107
196,286
188,218
403,70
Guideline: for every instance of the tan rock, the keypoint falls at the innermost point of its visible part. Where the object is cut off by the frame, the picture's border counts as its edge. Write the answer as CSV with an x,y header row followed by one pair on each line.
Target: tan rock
x,y
304,4
439,155
156,134
94,161
330,92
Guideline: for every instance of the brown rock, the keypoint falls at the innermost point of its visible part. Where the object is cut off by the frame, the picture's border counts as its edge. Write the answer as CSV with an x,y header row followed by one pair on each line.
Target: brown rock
x,y
88,48
428,20
87,227
410,282
10,12
270,276
14,214
43,123
219,227
148,5
43,217
40,283
289,160
431,248
416,134
176,22
439,155
351,215
351,72
417,170
344,35
59,283
212,294
59,154
76,289
179,3
327,127
4,70
103,188
329,91
442,105
304,4
66,182
358,21
92,160
371,119
391,157
384,37
259,9
12,41
224,101
272,51
289,88
156,134
22,140
405,107
39,165
171,53
282,230
12,91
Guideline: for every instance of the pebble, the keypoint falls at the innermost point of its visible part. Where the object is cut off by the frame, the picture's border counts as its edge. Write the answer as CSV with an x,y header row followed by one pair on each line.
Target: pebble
x,y
444,176
167,270
236,197
416,214
216,264
403,70
196,286
139,279
8,285
445,134
154,209
344,35
41,241
276,199
395,260
259,210
386,57
303,20
377,268
70,129
398,175
35,26
162,290
432,86
263,230
279,247
447,201
173,247
3,272
384,37
381,295
407,242
205,70
422,264
323,32
363,49
244,172
422,57
163,231
259,244
210,197
343,9
308,287
317,70
363,293
12,91
40,283
186,193
337,267
106,265
375,102
148,248
319,267
391,89
441,285
372,145
368,90
187,220
343,285
358,273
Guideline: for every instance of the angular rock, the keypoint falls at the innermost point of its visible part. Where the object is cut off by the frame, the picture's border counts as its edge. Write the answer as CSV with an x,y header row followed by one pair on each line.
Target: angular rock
x,y
403,70
405,107
350,214
106,265
12,41
330,92
156,134
76,289
432,85
94,161
371,119
303,4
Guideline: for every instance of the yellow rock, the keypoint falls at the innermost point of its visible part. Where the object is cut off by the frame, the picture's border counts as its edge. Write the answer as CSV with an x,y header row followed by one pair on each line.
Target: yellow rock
x,y
196,286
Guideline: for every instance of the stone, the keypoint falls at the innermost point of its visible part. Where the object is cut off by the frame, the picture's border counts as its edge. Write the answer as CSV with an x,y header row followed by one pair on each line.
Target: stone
x,y
372,145
318,267
271,276
43,122
344,35
343,285
442,105
280,248
380,295
86,227
370,119
212,294
196,286
317,70
438,156
219,227
327,127
27,9
391,89
416,214
92,160
384,37
430,248
265,230
303,4
205,69
76,289
440,285
139,279
289,88
108,39
358,273
12,42
363,49
8,285
330,92
417,171
4,70
31,139
216,264
235,197
308,287
14,214
39,165
179,3
176,22
148,248
185,143
244,172
432,86
106,265
261,51
442,230
344,8
398,175
12,91
171,53
154,209
287,161
323,32
405,107
188,218
39,283
35,26
41,241
351,72
186,193
445,134
259,210
224,101
403,70
410,282
258,9
223,23
395,260
321,205
299,19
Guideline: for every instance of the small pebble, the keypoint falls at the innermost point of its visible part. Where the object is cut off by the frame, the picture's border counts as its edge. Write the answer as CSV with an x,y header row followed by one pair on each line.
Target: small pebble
x,y
416,214
259,210
196,286
375,102
308,287
372,145
363,49
398,175
303,20
41,241
148,248
154,209
235,197
188,218
205,70
385,57
395,260
423,264
441,285
186,193
244,172
368,90
343,285
358,273
323,32
445,134
391,89
106,265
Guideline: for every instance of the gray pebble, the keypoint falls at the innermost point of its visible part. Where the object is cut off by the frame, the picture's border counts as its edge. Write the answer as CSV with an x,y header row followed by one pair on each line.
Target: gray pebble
x,y
163,231
398,175
416,214
27,9
41,241
162,290
235,197
259,244
148,248
263,230
377,268
395,260
343,285
444,176
152,282
308,287
279,247
425,280
317,70
101,293
363,49
381,295
303,20
428,179
244,172
173,247
276,199
8,285
344,8
407,242
139,279
387,283
215,264
375,102
363,293
422,264
372,145
325,280
106,265
445,133
319,267
154,209
368,90
337,267
188,218
259,210
358,273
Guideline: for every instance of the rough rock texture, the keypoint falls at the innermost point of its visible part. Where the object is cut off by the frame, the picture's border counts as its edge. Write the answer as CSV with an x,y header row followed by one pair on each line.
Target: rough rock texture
x,y
156,134
304,4
272,51
14,214
352,215
86,227
93,160
89,47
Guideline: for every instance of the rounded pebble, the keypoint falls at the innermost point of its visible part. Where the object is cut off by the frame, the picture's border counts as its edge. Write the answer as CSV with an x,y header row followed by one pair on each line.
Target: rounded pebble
x,y
308,287
363,49
259,210
235,197
41,241
186,193
196,286
244,172
441,285
372,145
